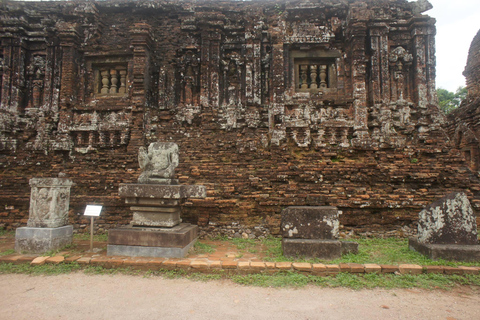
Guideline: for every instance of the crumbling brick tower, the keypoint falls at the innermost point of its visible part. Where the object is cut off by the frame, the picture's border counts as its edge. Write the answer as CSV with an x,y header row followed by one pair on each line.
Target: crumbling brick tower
x,y
464,123
272,104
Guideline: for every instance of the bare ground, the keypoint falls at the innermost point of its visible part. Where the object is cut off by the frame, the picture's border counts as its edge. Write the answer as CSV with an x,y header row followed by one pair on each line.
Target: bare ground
x,y
80,296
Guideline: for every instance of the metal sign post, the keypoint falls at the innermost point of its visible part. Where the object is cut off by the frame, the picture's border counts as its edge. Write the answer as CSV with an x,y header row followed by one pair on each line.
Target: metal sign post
x,y
92,211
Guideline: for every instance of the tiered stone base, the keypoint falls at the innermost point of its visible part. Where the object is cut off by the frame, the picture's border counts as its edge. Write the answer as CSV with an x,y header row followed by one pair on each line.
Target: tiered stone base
x,y
152,242
456,252
40,240
322,249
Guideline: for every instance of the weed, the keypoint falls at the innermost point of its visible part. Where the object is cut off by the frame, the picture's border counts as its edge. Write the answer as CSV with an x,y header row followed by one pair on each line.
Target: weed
x,y
413,160
46,269
358,281
203,277
7,252
202,248
284,279
4,232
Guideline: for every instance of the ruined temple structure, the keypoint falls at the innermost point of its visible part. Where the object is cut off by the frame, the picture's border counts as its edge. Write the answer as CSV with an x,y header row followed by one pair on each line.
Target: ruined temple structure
x,y
464,123
272,104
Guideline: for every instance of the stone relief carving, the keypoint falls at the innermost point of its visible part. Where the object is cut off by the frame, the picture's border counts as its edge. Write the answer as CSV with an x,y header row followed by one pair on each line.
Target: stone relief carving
x,y
308,32
158,163
49,202
400,60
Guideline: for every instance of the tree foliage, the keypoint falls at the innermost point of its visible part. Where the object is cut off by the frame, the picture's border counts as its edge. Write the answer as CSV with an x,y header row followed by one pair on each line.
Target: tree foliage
x,y
449,101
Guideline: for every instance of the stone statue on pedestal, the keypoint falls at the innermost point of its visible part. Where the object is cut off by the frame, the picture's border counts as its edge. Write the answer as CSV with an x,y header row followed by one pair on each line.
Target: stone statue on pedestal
x,y
159,163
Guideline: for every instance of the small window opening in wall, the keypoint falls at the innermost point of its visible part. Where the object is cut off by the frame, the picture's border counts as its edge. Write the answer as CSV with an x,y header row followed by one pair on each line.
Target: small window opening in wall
x,y
311,75
111,81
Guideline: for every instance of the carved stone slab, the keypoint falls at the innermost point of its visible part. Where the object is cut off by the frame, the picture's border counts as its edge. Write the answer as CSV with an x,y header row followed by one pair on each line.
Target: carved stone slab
x,y
49,202
449,220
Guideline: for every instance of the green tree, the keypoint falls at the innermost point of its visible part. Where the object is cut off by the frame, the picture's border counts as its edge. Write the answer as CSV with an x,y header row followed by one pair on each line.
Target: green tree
x,y
449,101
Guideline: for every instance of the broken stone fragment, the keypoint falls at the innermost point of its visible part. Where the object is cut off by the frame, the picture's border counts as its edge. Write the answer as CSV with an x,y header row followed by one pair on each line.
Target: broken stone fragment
x,y
449,220
159,163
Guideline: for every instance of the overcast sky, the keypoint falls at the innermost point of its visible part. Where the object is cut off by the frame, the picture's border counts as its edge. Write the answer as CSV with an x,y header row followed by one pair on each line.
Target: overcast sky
x,y
458,21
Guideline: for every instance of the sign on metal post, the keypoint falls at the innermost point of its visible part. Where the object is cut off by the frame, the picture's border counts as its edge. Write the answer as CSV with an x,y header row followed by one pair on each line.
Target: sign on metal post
x,y
92,211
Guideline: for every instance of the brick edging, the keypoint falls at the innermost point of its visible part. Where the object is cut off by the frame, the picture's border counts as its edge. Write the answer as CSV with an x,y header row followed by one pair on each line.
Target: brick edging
x,y
231,266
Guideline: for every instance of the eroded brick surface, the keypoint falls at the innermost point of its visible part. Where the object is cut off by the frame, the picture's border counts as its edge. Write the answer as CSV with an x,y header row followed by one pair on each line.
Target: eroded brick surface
x,y
271,105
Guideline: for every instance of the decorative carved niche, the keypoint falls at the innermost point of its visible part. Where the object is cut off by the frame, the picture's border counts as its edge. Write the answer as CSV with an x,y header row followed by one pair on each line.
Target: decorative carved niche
x,y
400,62
188,69
35,78
110,80
233,65
313,70
1,75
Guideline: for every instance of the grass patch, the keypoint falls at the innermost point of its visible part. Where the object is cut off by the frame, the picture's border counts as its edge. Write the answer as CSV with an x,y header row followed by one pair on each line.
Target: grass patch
x,y
202,248
370,250
46,269
4,232
7,252
357,281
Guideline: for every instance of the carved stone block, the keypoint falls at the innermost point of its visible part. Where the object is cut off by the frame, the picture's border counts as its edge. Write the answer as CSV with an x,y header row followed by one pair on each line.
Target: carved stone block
x,y
49,202
310,222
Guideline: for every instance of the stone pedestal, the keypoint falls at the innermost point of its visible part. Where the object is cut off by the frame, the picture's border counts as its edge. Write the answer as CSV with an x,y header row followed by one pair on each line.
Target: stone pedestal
x,y
46,227
152,242
40,240
156,229
313,232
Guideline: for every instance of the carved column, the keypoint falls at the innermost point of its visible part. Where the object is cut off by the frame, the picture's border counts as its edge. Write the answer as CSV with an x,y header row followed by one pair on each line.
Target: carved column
x,y
13,81
141,40
357,35
253,71
422,30
380,82
69,39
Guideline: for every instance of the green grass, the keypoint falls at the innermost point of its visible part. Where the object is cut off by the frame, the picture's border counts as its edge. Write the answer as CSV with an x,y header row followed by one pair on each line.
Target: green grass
x,y
370,250
46,269
356,282
4,232
281,279
202,248
7,252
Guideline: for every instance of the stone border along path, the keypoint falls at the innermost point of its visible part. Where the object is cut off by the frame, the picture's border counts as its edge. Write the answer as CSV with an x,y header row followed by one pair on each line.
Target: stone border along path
x,y
235,267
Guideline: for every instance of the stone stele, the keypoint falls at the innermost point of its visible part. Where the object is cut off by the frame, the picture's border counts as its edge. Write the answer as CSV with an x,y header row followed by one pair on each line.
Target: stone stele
x,y
447,229
449,220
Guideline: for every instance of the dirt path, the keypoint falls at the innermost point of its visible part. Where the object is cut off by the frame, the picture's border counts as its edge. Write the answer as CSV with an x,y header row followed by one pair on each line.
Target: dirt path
x,y
80,296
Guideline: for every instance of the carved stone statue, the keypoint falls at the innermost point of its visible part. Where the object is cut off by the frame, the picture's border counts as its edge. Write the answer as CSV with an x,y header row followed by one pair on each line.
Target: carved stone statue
x,y
158,163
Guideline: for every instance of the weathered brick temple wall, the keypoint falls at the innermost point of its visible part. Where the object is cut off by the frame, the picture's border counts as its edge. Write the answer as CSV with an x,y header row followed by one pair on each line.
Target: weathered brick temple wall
x,y
272,104
463,124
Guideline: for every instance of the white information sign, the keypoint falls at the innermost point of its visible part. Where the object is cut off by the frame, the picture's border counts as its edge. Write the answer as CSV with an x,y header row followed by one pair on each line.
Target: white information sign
x,y
92,211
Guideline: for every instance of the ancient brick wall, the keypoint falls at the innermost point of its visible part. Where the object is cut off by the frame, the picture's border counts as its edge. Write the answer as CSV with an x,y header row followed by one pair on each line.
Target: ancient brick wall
x,y
271,103
463,125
